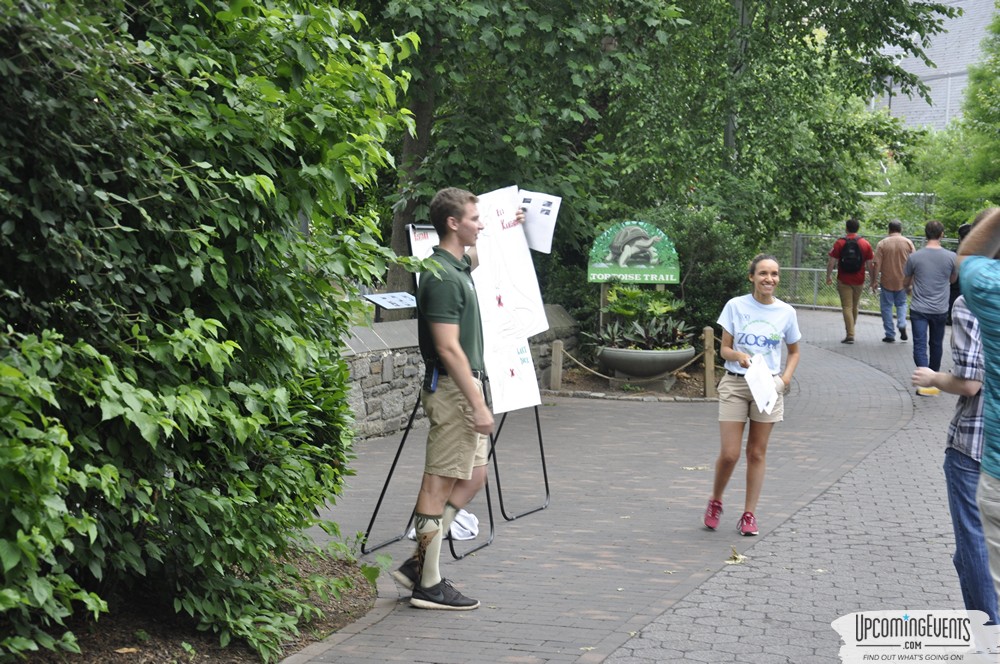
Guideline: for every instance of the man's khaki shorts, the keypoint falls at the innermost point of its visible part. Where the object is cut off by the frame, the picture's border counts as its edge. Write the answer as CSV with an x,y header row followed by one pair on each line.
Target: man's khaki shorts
x,y
736,402
454,447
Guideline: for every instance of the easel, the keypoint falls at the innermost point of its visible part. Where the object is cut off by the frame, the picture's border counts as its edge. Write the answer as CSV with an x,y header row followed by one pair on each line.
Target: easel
x,y
365,549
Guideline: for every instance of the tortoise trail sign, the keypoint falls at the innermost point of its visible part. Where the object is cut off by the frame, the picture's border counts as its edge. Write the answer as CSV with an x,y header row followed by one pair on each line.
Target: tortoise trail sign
x,y
634,252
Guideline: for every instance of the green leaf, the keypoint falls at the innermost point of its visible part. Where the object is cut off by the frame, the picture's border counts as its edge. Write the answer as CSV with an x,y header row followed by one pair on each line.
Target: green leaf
x,y
10,555
146,424
111,409
220,275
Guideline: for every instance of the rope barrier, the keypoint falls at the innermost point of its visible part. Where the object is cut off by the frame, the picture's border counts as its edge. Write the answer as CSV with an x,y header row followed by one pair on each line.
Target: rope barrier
x,y
600,375
717,342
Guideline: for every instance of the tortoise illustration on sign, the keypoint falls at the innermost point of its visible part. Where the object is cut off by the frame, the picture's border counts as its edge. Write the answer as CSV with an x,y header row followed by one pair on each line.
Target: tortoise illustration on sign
x,y
632,245
633,251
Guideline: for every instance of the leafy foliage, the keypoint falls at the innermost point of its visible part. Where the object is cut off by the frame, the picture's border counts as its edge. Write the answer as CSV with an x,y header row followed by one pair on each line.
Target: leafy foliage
x,y
758,110
957,168
713,258
512,91
754,110
181,237
641,318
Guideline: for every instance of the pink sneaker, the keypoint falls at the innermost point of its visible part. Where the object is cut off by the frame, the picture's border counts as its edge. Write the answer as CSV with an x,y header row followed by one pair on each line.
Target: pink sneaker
x,y
712,514
748,524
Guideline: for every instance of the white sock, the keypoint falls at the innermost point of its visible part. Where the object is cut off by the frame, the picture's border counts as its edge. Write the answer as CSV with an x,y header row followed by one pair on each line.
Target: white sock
x,y
429,536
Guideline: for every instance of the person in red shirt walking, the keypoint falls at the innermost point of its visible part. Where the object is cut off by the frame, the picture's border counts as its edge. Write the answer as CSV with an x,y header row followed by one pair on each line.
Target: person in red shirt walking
x,y
853,257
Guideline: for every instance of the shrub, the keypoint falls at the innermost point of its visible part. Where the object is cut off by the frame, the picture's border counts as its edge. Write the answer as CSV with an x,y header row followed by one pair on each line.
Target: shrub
x,y
642,318
713,258
180,250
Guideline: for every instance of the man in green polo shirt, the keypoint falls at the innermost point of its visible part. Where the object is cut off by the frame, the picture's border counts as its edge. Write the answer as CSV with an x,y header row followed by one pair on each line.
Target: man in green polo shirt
x,y
451,343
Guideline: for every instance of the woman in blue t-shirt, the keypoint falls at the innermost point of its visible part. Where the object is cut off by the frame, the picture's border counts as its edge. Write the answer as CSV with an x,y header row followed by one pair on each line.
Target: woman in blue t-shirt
x,y
752,325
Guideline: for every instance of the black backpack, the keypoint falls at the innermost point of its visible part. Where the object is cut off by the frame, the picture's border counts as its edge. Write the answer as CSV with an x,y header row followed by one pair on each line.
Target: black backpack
x,y
851,259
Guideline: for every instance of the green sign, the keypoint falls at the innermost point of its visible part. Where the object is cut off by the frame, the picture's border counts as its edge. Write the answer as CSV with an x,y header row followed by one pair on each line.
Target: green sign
x,y
634,252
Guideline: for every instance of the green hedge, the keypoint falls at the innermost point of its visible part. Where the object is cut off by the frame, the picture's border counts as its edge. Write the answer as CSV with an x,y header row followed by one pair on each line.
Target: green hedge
x,y
182,235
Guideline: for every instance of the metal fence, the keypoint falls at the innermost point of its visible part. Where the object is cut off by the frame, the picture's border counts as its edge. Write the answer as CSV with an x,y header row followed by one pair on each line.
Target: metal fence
x,y
807,286
803,258
810,250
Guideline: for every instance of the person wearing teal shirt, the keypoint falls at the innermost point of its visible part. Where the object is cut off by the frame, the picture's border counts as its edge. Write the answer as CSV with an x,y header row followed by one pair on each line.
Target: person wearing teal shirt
x,y
979,274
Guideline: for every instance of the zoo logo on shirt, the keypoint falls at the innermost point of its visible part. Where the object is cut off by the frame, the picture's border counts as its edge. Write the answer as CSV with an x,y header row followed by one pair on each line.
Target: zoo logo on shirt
x,y
752,336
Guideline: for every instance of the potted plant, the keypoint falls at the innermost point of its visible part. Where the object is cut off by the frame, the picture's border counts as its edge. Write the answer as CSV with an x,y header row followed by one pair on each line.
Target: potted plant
x,y
642,338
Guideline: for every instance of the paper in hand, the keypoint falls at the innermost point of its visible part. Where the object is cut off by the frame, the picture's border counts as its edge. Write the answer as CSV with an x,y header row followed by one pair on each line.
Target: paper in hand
x,y
761,384
540,212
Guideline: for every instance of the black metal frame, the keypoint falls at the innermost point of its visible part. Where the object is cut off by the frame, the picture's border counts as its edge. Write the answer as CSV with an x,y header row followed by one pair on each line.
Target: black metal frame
x,y
545,473
366,549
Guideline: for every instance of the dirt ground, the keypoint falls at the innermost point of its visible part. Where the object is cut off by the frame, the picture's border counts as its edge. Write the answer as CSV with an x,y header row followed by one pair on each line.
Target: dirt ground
x,y
133,634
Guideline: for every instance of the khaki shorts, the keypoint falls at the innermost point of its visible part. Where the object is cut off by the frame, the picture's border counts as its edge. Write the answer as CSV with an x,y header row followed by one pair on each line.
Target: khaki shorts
x,y
736,402
454,447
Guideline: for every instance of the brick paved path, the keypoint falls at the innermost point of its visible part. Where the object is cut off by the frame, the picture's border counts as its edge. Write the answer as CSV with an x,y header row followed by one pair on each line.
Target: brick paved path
x,y
618,568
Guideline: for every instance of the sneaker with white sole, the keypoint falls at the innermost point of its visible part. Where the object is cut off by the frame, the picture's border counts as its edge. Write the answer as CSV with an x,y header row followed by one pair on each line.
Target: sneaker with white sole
x,y
408,573
712,514
748,524
443,596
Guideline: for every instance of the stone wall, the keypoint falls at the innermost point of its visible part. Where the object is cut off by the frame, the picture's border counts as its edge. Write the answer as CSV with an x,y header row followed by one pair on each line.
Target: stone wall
x,y
386,370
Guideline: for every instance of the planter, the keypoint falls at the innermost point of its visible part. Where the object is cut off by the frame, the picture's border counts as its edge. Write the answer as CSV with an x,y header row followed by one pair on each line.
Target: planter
x,y
631,363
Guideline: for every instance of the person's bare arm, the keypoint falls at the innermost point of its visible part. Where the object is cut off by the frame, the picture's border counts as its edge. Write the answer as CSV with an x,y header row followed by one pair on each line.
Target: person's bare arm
x,y
830,264
449,350
983,239
927,377
790,364
730,354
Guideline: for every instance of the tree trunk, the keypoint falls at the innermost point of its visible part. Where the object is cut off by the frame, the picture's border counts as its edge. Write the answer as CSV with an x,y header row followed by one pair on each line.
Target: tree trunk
x,y
737,63
414,151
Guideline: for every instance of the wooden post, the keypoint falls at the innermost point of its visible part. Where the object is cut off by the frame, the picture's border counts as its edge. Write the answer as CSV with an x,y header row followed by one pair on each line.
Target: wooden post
x,y
708,360
555,371
604,303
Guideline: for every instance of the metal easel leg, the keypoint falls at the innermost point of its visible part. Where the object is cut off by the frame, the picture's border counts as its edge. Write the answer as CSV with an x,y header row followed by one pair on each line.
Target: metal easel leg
x,y
545,474
489,509
365,549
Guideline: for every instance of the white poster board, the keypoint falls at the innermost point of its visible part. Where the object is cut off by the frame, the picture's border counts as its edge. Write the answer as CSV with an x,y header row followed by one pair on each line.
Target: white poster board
x,y
510,302
423,239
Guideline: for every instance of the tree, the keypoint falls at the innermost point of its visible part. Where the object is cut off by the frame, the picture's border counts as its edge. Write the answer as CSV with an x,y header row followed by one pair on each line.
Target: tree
x,y
758,108
512,91
172,399
752,109
952,174
960,164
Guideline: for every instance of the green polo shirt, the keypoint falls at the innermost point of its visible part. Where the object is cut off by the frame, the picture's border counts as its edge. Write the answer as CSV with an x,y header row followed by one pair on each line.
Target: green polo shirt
x,y
450,297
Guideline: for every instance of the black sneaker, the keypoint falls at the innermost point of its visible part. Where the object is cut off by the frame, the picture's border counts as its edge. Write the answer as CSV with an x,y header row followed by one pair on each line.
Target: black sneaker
x,y
902,334
442,596
408,573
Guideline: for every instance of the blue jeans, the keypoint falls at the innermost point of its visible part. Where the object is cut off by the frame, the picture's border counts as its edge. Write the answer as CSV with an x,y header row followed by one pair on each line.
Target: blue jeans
x,y
888,299
961,473
927,327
